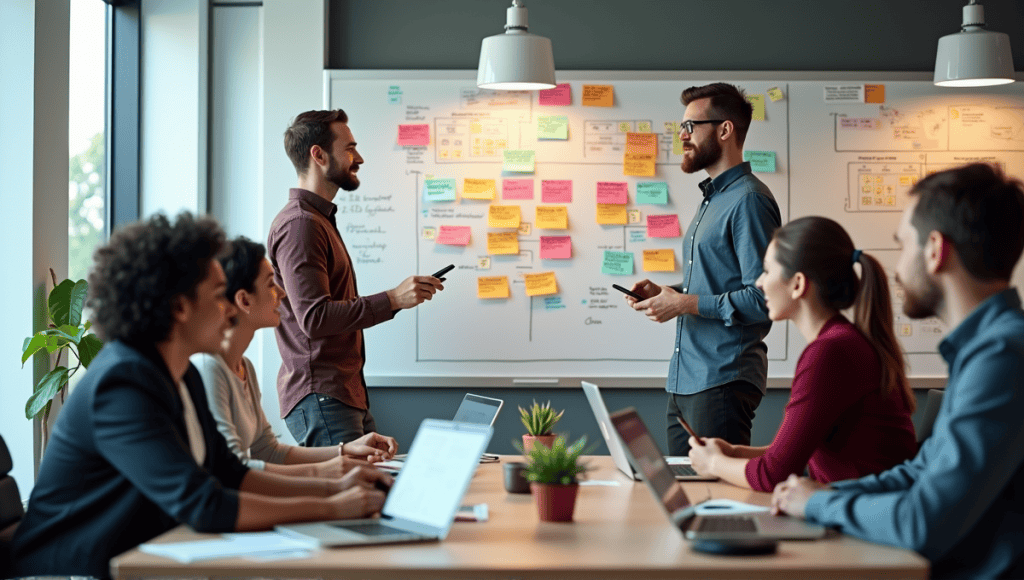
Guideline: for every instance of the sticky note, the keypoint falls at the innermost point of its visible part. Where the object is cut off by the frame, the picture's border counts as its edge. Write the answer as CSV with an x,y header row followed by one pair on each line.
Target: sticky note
x,y
553,127
478,188
638,164
611,214
659,260
874,94
553,217
439,189
677,143
504,216
612,192
429,233
617,263
556,190
643,126
757,101
517,189
454,235
598,95
652,192
625,127
633,216
414,135
555,247
502,243
541,283
775,94
641,143
560,96
663,226
492,287
760,161
519,160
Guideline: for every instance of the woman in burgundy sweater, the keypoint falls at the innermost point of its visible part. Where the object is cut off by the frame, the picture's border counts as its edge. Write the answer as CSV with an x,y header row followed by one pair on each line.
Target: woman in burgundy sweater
x,y
849,409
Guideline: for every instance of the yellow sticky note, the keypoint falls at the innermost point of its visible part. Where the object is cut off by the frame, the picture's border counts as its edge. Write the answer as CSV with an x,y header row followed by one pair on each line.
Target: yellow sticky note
x,y
638,164
775,94
553,217
598,95
478,188
611,214
504,216
492,287
677,144
503,243
659,260
757,101
541,283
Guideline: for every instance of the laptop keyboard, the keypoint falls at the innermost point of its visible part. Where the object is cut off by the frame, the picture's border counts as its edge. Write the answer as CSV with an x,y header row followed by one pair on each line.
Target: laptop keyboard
x,y
719,524
681,469
373,529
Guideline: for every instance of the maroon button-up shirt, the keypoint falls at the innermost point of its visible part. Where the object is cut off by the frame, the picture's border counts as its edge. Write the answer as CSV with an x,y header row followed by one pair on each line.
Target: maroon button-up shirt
x,y
322,316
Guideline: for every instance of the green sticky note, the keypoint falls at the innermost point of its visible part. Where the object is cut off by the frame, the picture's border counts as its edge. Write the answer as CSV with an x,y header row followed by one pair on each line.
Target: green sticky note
x,y
617,263
520,160
553,127
760,161
439,189
652,192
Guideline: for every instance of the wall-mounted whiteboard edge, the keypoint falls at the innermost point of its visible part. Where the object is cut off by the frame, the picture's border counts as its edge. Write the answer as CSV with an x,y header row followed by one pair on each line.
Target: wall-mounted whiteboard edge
x,y
920,383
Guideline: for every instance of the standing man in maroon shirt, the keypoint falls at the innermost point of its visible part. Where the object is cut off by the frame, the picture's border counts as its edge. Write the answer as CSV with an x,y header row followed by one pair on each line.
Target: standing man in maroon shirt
x,y
320,385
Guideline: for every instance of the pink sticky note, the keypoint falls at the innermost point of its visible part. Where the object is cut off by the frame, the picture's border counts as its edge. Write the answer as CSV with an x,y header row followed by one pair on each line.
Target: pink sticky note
x,y
556,190
413,135
663,226
517,189
612,192
454,235
555,247
560,96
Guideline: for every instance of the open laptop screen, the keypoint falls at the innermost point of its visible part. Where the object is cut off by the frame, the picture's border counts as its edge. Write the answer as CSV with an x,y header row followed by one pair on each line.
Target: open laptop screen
x,y
477,410
649,460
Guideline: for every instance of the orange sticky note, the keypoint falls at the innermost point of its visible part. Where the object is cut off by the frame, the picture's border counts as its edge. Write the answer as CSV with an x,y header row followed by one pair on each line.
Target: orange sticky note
x,y
492,287
642,143
503,243
541,283
552,217
638,164
611,214
874,94
478,188
659,260
504,216
598,95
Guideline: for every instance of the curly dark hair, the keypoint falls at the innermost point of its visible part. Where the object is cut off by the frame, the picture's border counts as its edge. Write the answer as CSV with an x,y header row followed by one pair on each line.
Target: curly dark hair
x,y
139,274
241,265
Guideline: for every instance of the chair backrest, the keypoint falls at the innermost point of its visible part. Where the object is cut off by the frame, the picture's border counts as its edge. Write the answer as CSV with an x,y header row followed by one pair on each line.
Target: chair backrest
x,y
11,509
931,410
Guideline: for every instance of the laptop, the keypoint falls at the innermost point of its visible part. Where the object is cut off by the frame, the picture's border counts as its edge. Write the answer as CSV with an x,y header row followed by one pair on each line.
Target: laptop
x,y
473,409
422,503
643,453
681,471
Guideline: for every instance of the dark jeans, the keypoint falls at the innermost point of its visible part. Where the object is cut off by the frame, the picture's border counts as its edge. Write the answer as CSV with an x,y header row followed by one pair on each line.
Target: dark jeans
x,y
322,420
726,412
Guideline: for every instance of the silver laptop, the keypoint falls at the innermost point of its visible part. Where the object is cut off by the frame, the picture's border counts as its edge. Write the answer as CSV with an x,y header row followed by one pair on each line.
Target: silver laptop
x,y
681,471
422,504
644,455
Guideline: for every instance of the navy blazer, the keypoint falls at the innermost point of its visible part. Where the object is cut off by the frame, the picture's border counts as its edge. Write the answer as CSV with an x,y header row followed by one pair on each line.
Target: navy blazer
x,y
118,469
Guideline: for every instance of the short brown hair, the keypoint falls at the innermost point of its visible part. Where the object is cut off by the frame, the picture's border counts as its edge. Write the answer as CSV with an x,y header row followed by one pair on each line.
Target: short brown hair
x,y
727,102
308,129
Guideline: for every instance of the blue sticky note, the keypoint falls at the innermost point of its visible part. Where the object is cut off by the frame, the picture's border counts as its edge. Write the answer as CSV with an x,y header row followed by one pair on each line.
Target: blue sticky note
x,y
652,192
760,161
439,189
617,263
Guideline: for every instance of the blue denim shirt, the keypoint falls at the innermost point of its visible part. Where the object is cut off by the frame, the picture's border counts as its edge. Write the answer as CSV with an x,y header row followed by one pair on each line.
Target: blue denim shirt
x,y
960,501
722,254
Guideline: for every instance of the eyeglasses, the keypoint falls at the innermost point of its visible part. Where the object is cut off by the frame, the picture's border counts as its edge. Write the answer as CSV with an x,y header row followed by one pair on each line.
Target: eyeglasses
x,y
688,125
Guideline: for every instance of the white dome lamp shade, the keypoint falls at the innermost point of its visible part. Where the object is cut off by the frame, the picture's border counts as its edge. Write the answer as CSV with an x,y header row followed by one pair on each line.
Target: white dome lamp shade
x,y
516,60
974,57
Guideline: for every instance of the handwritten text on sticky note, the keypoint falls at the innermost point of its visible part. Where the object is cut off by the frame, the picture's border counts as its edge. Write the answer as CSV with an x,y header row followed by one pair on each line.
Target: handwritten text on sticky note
x,y
556,190
663,226
517,189
454,235
617,263
612,192
478,188
659,260
540,284
415,135
560,96
598,95
552,217
652,192
504,216
555,247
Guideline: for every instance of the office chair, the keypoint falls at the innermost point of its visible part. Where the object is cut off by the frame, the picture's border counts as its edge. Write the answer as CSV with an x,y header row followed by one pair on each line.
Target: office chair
x,y
931,410
11,509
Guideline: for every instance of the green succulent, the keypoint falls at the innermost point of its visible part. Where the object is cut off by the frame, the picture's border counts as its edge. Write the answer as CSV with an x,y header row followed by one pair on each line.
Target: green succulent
x,y
558,464
540,419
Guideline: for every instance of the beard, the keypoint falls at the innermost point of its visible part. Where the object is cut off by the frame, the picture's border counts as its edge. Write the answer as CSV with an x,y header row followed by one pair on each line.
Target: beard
x,y
702,157
924,298
344,178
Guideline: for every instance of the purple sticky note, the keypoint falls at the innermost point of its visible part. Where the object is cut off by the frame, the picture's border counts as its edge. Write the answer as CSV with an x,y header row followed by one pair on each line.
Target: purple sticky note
x,y
517,189
555,247
560,96
454,235
556,190
413,135
612,192
663,226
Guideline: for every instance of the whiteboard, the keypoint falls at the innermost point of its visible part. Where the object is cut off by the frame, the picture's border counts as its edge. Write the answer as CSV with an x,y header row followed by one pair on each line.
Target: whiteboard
x,y
851,161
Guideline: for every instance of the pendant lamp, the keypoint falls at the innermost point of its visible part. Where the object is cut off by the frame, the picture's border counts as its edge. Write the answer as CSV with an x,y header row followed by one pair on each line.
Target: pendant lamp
x,y
974,57
516,60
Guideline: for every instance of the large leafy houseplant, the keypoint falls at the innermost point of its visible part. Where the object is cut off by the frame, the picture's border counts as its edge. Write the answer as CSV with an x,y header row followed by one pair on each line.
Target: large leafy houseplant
x,y
66,333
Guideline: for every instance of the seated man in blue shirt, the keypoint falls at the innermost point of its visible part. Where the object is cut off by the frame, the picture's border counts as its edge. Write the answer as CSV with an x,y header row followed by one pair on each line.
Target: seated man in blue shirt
x,y
135,450
960,501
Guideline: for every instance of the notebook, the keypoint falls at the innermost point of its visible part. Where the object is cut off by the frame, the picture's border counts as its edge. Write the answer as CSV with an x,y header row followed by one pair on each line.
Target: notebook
x,y
643,453
422,504
681,471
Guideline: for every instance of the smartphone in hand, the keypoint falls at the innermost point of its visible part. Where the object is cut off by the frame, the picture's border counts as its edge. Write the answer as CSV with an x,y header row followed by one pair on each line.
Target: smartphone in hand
x,y
628,292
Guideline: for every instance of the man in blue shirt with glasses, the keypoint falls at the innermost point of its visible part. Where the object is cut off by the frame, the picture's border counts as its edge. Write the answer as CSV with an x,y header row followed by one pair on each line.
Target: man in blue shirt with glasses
x,y
960,501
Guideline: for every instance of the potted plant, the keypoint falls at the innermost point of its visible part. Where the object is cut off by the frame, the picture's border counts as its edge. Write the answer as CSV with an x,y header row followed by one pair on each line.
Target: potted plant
x,y
539,420
553,472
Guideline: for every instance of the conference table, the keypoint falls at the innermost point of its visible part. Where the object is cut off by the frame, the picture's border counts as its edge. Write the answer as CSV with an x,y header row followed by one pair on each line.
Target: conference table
x,y
618,531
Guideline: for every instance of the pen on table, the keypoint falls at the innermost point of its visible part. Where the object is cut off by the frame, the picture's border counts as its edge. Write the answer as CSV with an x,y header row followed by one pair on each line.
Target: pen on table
x,y
689,430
